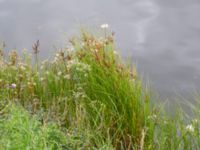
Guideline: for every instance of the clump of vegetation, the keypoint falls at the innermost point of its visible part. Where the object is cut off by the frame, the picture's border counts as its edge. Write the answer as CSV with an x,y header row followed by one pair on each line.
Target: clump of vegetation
x,y
96,100
20,131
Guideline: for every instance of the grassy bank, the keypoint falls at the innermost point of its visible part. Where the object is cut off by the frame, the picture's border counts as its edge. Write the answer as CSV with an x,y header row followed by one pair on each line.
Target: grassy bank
x,y
84,98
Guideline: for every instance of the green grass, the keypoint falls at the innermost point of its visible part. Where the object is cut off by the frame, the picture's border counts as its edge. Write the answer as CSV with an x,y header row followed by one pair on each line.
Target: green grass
x,y
85,98
20,131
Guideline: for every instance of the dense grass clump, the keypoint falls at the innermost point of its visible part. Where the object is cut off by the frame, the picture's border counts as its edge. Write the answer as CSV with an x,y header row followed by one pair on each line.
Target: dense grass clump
x,y
95,100
19,131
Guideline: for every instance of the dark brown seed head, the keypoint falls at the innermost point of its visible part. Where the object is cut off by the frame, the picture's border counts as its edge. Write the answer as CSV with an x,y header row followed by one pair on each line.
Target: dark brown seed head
x,y
35,47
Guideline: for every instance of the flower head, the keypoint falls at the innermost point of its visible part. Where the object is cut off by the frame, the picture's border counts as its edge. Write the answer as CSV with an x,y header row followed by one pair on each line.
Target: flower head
x,y
59,73
13,85
67,76
104,26
41,79
195,121
190,128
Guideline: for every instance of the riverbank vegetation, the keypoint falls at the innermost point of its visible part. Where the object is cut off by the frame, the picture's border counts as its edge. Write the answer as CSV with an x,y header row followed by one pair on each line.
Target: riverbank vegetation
x,y
85,97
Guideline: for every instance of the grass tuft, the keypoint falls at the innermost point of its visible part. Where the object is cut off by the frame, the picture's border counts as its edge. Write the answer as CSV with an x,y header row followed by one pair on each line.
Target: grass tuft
x,y
84,98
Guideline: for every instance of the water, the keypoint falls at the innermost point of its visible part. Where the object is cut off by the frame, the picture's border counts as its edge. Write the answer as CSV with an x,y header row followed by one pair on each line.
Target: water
x,y
162,36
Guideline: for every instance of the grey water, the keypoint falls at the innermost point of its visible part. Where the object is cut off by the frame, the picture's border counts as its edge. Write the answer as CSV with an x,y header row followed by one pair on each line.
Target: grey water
x,y
161,36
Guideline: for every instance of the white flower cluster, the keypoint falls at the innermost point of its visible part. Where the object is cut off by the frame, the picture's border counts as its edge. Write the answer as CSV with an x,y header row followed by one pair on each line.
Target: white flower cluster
x,y
59,73
43,64
67,76
22,66
79,93
76,69
56,59
153,117
195,121
79,66
190,128
104,26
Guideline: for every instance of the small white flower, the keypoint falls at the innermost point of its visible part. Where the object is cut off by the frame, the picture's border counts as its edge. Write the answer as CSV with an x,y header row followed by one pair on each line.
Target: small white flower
x,y
190,128
115,52
41,79
82,44
42,67
13,85
195,121
59,73
67,76
165,122
152,117
57,55
47,72
22,67
104,26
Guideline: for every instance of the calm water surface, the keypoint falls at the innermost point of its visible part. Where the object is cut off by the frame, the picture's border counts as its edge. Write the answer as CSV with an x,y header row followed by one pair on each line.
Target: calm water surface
x,y
162,36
